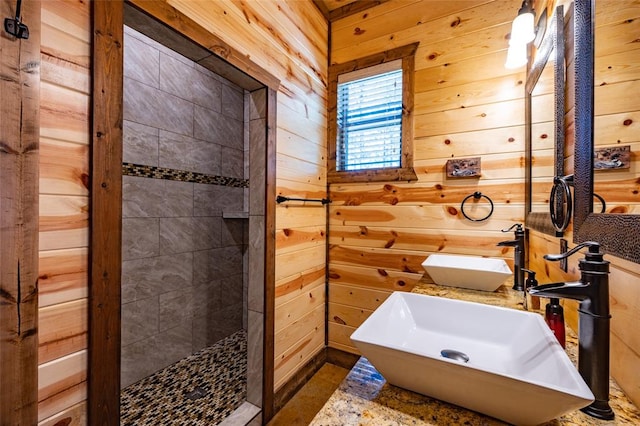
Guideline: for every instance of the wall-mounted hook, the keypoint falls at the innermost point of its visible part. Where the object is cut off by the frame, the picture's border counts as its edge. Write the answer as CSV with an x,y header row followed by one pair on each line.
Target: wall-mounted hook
x,y
14,26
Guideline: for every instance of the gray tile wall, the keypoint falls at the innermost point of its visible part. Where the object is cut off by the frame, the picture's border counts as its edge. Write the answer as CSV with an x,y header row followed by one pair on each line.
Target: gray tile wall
x,y
183,285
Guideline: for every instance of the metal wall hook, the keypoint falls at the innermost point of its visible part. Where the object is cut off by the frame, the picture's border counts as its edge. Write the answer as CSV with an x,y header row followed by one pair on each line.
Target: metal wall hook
x,y
14,26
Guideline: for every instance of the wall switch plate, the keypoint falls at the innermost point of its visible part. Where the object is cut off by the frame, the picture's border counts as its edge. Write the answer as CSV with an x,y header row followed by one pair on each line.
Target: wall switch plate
x,y
564,246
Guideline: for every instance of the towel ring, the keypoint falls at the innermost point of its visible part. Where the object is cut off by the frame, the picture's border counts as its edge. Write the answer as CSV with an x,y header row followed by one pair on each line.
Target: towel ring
x,y
604,203
564,182
476,196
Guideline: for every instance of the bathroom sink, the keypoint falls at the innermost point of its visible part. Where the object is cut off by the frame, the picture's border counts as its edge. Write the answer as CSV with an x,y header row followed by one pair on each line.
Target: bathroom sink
x,y
473,272
498,361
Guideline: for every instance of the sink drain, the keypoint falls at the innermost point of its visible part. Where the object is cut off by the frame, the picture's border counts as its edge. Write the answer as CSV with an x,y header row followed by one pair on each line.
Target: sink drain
x,y
455,355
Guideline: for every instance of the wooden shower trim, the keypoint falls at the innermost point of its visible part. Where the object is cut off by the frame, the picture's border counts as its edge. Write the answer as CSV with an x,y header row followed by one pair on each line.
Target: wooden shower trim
x,y
106,193
106,215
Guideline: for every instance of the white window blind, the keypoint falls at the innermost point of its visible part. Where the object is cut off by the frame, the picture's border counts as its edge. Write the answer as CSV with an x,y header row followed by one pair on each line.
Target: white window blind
x,y
369,118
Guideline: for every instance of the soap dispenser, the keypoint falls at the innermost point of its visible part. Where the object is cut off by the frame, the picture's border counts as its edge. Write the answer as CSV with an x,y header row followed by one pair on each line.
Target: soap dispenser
x,y
554,317
529,283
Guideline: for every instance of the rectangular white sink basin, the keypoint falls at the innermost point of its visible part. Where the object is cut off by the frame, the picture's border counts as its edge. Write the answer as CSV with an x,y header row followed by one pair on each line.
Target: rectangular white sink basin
x,y
473,272
516,370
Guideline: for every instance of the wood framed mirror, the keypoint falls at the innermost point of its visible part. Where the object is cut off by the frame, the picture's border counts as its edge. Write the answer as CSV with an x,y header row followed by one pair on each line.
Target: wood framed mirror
x,y
544,123
617,233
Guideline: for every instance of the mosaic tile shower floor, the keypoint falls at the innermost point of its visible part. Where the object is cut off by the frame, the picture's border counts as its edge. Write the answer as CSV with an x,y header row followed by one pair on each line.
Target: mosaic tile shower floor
x,y
201,389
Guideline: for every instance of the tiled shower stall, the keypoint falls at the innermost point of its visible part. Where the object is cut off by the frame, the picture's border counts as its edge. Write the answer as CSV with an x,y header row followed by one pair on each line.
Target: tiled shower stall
x,y
185,166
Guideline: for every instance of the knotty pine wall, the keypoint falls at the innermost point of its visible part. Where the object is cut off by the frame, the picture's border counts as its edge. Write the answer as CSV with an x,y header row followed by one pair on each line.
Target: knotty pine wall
x,y
64,206
288,39
466,105
617,121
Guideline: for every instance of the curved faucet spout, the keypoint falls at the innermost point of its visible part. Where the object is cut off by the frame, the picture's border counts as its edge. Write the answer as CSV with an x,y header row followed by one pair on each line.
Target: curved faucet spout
x,y
573,290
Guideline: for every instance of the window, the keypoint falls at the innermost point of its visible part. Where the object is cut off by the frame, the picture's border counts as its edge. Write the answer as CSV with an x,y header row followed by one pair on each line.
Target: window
x,y
369,118
370,127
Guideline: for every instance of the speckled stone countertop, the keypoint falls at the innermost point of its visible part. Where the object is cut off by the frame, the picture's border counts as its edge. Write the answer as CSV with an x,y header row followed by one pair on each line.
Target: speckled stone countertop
x,y
364,397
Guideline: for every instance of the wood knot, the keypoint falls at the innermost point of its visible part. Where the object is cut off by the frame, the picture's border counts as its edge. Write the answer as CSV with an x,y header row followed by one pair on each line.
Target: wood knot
x,y
401,283
544,136
447,141
627,122
358,31
438,187
452,211
455,22
339,320
390,243
84,178
286,232
511,139
383,272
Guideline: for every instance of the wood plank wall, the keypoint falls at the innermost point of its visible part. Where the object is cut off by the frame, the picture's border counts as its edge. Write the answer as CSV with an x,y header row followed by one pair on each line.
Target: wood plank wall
x,y
287,38
64,204
466,105
617,74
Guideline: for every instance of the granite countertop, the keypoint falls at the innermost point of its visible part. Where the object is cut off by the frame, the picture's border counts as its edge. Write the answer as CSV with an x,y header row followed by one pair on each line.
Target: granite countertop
x,y
364,397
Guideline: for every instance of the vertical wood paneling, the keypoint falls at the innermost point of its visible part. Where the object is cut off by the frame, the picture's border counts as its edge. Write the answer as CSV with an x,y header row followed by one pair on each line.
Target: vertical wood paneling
x,y
19,145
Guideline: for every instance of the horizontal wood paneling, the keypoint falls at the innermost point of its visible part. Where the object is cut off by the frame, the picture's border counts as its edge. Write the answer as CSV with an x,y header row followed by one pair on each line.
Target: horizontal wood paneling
x,y
466,105
293,262
297,355
295,239
63,329
64,206
375,278
62,276
339,337
481,142
428,217
297,307
73,416
62,383
425,240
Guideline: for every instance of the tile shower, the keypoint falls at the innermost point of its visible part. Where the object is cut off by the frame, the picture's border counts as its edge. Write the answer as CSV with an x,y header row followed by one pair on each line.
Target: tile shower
x,y
185,163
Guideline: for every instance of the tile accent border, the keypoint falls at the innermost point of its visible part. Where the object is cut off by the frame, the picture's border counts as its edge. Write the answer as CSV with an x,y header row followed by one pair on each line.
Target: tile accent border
x,y
154,172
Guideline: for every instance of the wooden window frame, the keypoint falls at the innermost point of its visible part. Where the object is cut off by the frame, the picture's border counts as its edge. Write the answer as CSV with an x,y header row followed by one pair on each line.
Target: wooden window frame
x,y
403,173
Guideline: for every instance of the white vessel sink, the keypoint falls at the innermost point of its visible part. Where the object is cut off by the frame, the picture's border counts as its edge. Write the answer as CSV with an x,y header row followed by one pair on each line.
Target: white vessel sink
x,y
516,369
474,272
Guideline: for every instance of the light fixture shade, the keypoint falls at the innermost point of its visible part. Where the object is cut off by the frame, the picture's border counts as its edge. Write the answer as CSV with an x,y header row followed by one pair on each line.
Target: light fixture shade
x,y
522,29
516,56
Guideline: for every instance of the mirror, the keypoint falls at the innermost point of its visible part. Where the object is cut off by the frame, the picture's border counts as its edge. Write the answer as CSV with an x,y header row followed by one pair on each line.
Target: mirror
x,y
544,123
618,230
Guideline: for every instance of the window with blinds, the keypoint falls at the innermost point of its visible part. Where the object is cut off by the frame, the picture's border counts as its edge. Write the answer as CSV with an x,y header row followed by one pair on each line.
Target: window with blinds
x,y
369,118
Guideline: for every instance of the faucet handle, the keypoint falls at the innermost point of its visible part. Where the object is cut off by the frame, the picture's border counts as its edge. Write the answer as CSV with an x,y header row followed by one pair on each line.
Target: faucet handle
x,y
594,252
518,229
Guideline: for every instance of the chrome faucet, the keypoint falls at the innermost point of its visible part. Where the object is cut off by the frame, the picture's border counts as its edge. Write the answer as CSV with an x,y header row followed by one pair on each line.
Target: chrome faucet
x,y
518,255
593,337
